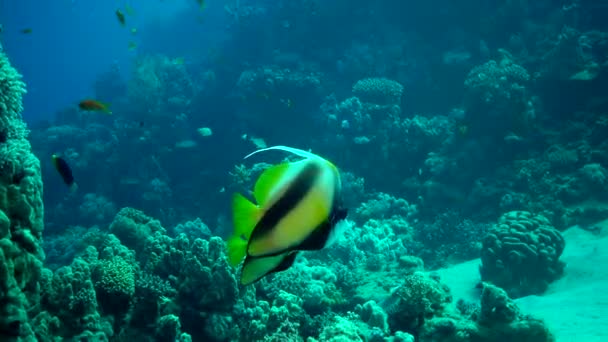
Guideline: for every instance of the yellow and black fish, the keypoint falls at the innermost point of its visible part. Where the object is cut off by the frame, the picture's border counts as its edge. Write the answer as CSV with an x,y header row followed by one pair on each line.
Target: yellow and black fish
x,y
64,170
298,207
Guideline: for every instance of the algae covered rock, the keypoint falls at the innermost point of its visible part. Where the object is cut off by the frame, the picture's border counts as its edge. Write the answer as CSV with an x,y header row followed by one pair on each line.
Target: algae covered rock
x,y
521,253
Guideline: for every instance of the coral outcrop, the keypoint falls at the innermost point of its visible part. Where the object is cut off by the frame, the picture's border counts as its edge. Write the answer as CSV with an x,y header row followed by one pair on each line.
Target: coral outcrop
x,y
497,318
21,213
521,253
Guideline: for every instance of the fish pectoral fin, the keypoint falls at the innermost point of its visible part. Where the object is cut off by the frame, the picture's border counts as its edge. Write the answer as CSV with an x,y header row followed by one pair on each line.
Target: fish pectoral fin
x,y
268,180
256,268
245,216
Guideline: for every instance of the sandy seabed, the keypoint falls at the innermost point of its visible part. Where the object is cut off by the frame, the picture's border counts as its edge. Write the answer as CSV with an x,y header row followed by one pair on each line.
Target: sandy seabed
x,y
574,307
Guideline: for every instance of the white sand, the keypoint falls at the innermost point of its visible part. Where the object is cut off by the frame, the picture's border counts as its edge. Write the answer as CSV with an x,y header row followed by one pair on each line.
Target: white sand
x,y
576,306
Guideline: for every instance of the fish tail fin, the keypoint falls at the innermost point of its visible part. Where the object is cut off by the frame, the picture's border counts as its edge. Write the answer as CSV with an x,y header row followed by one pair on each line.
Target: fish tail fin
x,y
106,108
73,187
245,216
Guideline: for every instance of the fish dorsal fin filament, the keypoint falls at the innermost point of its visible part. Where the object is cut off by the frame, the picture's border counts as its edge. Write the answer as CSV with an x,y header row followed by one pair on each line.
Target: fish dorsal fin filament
x,y
296,151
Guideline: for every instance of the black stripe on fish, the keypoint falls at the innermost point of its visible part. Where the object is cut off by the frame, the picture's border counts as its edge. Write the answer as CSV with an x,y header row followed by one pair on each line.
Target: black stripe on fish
x,y
320,235
297,190
318,238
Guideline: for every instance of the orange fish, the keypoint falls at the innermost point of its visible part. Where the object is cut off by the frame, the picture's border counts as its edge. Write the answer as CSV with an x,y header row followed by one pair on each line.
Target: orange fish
x,y
94,106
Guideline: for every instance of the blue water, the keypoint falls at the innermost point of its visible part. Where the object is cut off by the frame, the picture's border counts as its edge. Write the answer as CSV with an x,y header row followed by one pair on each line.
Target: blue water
x,y
73,41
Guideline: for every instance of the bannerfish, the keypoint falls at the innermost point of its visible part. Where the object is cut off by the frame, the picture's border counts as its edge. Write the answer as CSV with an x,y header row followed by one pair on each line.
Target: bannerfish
x,y
94,106
297,207
64,170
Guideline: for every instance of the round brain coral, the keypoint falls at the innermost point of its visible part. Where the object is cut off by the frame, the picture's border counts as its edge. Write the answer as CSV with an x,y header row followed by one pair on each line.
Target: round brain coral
x,y
380,91
521,254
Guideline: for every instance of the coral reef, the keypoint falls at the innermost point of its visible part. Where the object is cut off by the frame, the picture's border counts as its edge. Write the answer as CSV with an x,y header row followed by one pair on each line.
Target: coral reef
x,y
501,112
21,213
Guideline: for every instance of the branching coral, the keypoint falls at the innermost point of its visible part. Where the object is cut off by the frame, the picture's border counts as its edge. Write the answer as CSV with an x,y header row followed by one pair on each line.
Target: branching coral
x,y
115,282
272,92
70,303
449,238
384,206
133,228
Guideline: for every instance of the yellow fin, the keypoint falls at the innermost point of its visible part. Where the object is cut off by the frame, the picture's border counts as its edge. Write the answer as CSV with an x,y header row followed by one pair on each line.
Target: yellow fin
x,y
237,248
267,181
245,216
